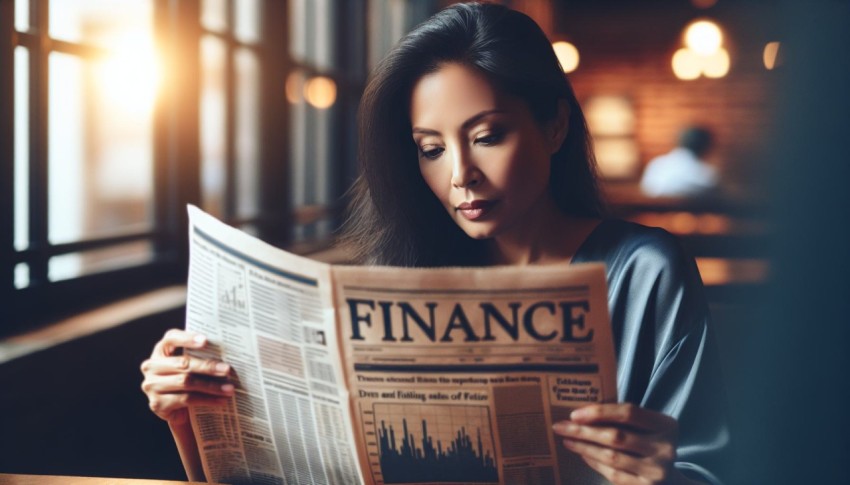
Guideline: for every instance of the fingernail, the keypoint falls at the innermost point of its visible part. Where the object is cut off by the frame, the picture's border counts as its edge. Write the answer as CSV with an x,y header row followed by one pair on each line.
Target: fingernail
x,y
565,427
228,388
581,413
199,339
222,368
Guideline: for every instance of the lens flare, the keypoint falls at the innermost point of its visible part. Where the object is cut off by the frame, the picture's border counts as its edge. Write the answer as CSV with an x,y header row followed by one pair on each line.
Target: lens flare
x,y
130,76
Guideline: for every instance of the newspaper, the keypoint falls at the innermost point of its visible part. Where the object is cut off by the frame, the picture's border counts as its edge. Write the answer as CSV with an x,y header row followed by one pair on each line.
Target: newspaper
x,y
380,375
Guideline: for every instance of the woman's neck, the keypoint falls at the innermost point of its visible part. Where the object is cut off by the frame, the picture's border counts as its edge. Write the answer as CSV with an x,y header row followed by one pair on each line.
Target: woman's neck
x,y
551,237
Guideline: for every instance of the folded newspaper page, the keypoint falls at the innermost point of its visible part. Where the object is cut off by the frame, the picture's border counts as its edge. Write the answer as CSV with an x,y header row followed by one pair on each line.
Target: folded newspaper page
x,y
378,375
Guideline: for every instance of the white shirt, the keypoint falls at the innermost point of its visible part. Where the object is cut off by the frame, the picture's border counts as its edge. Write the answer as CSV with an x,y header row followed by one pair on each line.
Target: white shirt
x,y
678,174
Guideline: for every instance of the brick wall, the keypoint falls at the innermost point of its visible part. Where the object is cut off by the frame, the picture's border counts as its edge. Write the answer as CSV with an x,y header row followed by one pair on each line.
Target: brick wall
x,y
626,50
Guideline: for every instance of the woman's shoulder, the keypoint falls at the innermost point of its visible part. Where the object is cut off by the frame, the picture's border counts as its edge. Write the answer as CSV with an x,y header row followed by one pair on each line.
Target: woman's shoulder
x,y
634,254
647,267
616,242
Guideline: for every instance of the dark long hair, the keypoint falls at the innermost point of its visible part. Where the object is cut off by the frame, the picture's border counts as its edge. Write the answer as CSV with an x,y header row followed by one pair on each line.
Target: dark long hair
x,y
394,218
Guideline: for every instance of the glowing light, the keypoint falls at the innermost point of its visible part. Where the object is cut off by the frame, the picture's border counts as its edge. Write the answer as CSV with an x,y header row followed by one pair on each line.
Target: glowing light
x,y
714,224
683,223
320,92
703,3
617,158
703,54
717,64
771,51
294,87
130,76
567,55
686,64
714,271
703,37
610,116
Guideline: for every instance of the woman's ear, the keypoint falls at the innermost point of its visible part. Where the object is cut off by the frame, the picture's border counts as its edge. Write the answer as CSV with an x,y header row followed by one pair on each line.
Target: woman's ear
x,y
559,127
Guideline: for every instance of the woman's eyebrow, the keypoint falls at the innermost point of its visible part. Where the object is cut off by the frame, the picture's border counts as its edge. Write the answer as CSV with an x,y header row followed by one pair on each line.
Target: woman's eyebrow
x,y
475,119
425,131
466,124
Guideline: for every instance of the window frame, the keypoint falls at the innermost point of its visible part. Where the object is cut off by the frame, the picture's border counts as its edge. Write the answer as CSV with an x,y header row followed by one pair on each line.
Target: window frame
x,y
44,300
176,155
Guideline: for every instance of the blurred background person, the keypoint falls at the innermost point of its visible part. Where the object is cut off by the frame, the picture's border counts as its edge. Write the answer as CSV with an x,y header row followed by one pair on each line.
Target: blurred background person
x,y
682,172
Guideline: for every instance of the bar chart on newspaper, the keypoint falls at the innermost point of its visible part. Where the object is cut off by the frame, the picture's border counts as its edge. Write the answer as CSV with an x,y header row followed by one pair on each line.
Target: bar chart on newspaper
x,y
419,443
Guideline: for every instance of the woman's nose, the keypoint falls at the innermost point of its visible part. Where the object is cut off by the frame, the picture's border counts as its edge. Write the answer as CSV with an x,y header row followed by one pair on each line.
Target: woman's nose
x,y
465,173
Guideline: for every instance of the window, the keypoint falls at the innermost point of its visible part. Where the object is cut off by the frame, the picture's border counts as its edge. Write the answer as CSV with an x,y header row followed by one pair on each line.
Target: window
x,y
330,54
230,122
121,112
327,72
611,121
79,204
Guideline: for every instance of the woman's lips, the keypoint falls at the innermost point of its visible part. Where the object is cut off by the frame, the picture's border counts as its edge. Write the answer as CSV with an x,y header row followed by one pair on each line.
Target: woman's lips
x,y
476,209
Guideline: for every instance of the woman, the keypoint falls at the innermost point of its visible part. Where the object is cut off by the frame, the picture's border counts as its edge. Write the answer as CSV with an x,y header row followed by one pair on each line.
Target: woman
x,y
474,151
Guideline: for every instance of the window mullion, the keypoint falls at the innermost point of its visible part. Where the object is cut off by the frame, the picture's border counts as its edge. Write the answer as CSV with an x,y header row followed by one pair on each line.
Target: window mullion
x,y
230,133
181,112
163,194
275,207
230,208
39,143
77,49
7,153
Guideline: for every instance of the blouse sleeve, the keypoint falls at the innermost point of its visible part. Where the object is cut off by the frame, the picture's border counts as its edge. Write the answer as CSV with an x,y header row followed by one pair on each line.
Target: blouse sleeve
x,y
667,356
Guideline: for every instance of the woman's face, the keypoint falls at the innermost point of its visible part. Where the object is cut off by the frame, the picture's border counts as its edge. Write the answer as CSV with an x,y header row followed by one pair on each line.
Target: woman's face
x,y
480,151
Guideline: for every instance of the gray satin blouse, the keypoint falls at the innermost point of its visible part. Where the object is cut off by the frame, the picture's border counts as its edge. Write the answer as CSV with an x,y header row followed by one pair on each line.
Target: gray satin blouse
x,y
666,354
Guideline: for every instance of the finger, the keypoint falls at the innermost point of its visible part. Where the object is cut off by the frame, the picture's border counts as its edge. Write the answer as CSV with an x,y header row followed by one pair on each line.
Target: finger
x,y
624,413
608,436
167,406
186,383
616,459
175,339
185,364
615,476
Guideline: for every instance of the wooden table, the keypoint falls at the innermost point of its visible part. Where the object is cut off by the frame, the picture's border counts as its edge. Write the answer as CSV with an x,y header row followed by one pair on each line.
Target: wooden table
x,y
14,479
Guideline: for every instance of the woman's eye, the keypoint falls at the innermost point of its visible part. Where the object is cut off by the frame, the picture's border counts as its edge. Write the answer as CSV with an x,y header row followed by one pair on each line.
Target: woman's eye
x,y
431,153
490,139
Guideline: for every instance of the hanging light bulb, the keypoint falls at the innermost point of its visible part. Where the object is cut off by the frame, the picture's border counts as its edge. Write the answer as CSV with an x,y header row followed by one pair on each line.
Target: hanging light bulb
x,y
686,64
703,54
567,55
703,37
294,87
717,64
320,92
771,53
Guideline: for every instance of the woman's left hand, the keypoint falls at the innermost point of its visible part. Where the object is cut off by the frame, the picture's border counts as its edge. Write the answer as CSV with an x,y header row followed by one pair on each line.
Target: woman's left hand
x,y
627,444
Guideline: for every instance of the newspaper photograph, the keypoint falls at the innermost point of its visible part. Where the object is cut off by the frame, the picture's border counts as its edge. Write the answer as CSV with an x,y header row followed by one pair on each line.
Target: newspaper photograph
x,y
380,375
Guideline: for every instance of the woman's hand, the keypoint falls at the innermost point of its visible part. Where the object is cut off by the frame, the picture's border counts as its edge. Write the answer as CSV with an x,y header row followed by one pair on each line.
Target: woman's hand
x,y
624,442
173,381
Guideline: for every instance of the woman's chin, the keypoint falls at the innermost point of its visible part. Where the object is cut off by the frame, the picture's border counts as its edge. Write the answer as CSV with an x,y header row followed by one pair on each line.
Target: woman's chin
x,y
479,231
478,236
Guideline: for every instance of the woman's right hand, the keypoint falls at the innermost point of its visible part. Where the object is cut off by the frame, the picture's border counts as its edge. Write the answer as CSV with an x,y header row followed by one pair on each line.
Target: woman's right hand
x,y
174,381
